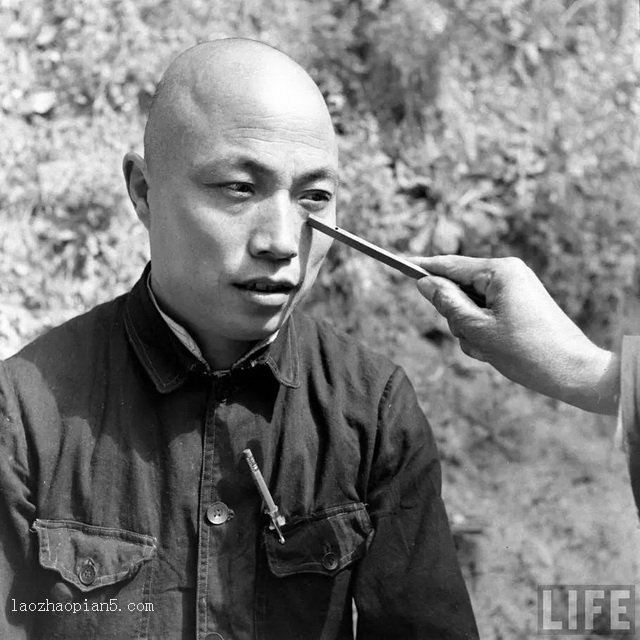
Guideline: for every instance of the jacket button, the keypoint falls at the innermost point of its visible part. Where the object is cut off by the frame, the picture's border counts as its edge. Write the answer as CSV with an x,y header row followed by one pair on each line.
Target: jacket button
x,y
87,572
218,513
329,561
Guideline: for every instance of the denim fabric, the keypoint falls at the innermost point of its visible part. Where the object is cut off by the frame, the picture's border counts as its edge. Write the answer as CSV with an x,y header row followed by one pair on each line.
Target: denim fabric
x,y
118,449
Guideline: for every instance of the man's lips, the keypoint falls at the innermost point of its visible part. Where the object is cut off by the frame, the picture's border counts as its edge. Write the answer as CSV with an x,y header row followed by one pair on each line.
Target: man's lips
x,y
267,285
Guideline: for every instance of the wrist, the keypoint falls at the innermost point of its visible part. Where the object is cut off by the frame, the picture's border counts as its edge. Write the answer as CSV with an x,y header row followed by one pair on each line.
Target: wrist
x,y
595,381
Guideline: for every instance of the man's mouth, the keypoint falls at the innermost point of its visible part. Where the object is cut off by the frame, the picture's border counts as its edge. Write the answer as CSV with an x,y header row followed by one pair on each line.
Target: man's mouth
x,y
268,286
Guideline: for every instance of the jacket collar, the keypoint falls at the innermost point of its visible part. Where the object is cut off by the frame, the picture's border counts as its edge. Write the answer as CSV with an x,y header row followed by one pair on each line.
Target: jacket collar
x,y
169,363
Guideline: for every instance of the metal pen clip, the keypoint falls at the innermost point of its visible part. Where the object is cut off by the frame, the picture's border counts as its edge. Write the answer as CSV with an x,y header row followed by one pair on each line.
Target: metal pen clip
x,y
271,508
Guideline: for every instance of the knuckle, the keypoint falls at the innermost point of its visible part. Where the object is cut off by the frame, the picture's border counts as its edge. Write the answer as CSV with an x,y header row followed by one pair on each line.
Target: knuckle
x,y
514,264
453,329
466,347
507,270
456,328
471,350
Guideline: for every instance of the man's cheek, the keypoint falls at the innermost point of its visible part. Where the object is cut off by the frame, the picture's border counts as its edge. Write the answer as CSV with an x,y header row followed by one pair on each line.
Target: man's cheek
x,y
315,245
319,250
312,269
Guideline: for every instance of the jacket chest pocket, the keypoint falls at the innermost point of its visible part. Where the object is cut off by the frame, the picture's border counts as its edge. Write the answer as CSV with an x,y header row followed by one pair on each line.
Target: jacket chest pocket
x,y
305,589
98,583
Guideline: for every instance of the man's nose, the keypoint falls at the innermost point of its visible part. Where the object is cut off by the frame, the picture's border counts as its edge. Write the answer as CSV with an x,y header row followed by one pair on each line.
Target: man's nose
x,y
277,229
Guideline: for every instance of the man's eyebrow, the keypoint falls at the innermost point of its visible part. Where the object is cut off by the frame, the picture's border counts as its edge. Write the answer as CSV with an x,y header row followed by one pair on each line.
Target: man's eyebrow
x,y
253,166
325,173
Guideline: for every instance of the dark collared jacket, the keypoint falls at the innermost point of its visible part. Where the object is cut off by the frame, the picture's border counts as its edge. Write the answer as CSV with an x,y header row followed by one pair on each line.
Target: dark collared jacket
x,y
127,509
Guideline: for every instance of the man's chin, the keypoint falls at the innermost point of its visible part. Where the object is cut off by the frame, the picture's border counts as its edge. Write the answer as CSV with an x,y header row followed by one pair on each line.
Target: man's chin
x,y
267,323
256,330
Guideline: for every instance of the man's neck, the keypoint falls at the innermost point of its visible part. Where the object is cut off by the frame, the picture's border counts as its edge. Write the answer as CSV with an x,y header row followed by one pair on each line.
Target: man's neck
x,y
222,357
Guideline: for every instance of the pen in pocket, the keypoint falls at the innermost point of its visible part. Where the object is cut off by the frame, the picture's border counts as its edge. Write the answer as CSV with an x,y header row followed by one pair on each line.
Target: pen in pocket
x,y
277,520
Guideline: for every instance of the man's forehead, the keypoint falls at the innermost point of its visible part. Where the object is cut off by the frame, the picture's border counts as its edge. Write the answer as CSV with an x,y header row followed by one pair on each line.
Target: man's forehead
x,y
204,97
254,131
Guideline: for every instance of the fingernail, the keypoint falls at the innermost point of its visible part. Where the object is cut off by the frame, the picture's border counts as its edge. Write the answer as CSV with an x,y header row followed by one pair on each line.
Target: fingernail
x,y
426,286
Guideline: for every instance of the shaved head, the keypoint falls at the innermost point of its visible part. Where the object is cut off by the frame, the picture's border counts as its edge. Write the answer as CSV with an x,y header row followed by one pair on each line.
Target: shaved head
x,y
222,77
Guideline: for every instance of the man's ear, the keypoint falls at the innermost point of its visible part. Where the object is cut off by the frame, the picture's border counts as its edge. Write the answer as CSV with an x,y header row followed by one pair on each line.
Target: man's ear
x,y
135,175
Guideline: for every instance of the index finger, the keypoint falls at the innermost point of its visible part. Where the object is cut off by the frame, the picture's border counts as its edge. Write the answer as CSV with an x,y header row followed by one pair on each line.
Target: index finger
x,y
461,269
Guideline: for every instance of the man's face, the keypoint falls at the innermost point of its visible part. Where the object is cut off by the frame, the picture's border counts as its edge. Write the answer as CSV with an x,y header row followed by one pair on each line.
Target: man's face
x,y
231,253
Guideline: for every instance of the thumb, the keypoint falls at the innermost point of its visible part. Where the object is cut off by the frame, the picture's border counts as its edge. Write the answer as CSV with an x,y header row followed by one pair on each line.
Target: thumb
x,y
448,299
427,287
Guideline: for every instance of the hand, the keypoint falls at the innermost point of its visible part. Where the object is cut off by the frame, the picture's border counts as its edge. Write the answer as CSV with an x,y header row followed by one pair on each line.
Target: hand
x,y
520,330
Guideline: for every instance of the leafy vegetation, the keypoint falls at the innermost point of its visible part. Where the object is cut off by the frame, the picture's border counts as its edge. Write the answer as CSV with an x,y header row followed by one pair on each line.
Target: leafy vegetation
x,y
501,127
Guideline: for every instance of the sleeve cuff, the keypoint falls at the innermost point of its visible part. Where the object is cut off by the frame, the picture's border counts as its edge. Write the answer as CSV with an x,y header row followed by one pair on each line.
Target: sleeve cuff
x,y
628,428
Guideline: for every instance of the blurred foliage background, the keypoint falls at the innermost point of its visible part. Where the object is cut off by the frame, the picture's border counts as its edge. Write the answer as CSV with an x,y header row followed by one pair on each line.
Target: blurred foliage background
x,y
489,128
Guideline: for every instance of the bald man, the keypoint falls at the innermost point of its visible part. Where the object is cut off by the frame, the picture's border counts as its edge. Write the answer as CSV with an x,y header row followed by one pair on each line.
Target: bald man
x,y
128,508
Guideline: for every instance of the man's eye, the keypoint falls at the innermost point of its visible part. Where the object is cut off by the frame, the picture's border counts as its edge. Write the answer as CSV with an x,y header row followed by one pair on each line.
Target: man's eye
x,y
238,189
316,199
